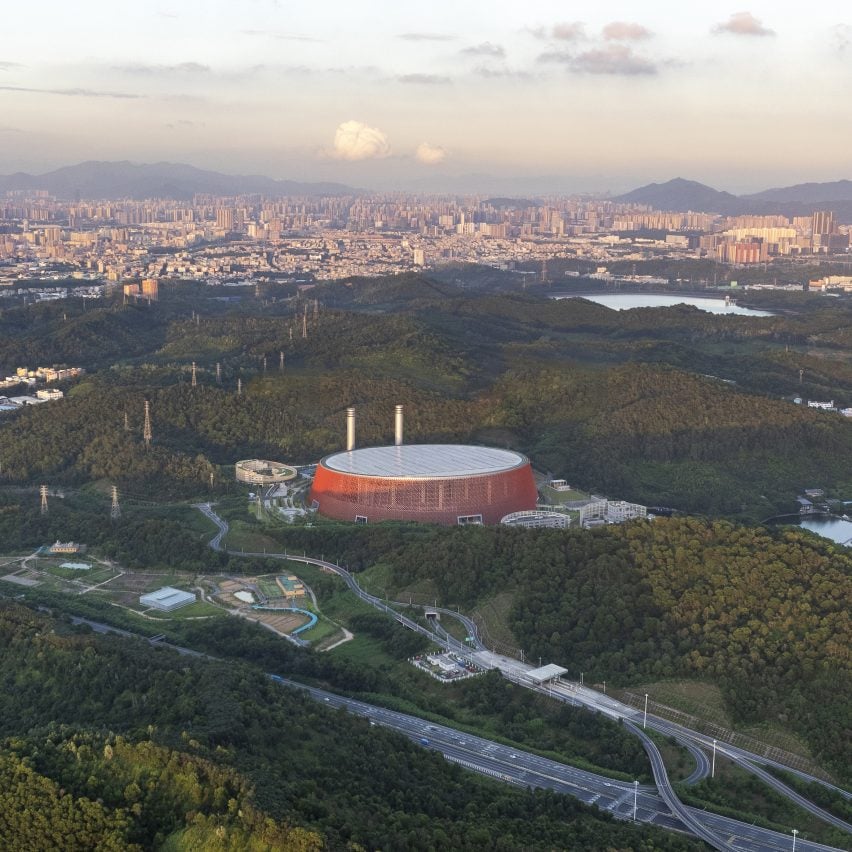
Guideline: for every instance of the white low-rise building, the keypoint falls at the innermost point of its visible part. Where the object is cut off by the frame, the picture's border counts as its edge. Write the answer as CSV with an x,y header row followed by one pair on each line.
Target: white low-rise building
x,y
167,599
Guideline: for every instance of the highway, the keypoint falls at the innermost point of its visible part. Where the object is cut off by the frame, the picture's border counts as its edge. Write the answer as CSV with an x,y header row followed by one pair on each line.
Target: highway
x,y
523,769
510,765
518,672
666,790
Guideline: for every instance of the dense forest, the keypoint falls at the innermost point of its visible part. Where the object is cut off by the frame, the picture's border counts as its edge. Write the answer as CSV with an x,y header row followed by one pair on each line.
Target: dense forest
x,y
663,406
107,743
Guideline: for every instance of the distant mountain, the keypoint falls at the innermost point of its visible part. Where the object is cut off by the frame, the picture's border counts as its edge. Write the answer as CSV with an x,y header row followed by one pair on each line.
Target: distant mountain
x,y
681,194
806,193
111,180
799,200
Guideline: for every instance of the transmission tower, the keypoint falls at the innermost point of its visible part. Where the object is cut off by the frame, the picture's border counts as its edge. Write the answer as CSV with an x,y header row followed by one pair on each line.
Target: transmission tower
x,y
218,373
115,509
316,308
239,387
281,361
264,363
194,376
801,375
43,493
291,333
126,422
305,323
147,435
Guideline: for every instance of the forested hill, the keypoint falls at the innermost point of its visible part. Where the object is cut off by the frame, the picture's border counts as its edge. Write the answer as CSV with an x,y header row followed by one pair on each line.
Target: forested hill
x,y
662,406
762,614
108,743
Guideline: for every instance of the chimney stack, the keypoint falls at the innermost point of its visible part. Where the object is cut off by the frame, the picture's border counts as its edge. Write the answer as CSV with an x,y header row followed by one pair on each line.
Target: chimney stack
x,y
397,426
350,429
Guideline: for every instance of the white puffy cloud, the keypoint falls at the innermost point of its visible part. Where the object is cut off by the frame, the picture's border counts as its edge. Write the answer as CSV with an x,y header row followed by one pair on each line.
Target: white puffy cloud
x,y
430,155
625,31
355,140
744,24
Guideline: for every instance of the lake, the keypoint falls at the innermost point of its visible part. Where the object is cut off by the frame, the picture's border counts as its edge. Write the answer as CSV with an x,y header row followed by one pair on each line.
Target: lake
x,y
628,301
827,526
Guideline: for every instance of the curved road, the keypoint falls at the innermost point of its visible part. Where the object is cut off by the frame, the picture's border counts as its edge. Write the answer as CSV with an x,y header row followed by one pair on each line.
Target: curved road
x,y
518,673
504,763
665,789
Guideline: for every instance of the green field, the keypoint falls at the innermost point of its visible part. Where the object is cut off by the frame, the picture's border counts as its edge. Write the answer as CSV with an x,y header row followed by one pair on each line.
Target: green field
x,y
199,609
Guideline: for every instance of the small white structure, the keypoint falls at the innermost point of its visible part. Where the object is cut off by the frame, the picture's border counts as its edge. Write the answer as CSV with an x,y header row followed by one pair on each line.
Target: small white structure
x,y
610,512
546,673
537,519
167,599
49,393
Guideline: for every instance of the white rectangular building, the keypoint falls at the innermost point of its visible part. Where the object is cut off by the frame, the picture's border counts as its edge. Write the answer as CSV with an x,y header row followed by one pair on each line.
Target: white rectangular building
x,y
167,599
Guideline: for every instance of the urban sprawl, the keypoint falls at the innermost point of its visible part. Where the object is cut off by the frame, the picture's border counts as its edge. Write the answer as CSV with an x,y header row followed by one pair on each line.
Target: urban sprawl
x,y
248,240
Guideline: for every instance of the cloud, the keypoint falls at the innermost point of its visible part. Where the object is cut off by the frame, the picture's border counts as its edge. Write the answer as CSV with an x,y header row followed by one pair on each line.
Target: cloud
x,y
430,155
183,122
73,93
354,140
616,59
424,79
501,73
842,35
9,66
624,31
426,37
560,56
487,48
6,129
743,23
179,68
281,36
573,31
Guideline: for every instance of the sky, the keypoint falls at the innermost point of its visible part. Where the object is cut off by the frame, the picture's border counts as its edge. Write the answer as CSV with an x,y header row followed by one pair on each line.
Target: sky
x,y
572,96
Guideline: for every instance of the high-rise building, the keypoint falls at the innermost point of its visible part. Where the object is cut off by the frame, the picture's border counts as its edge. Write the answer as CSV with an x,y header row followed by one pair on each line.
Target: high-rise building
x,y
225,218
822,222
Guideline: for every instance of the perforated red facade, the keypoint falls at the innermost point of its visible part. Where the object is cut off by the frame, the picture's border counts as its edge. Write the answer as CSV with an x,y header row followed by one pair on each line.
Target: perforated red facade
x,y
440,500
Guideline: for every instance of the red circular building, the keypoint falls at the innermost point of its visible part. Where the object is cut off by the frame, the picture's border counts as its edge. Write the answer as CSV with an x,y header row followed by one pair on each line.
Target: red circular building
x,y
433,483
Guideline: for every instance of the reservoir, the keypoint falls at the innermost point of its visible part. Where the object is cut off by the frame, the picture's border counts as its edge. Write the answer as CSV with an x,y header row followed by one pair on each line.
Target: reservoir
x,y
828,526
628,301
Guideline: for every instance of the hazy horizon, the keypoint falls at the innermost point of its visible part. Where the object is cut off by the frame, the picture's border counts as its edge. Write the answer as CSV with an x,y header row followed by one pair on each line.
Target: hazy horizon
x,y
603,99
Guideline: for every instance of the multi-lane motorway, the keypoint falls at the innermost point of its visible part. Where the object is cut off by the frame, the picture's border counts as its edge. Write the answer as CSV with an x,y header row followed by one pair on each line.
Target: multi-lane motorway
x,y
663,808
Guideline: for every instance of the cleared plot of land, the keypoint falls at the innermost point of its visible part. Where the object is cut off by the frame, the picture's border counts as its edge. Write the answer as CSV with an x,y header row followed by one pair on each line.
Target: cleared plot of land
x,y
199,609
126,589
492,616
705,702
557,497
20,581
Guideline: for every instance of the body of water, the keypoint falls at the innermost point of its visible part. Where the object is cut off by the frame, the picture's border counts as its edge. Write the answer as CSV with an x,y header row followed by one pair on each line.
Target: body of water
x,y
627,301
827,526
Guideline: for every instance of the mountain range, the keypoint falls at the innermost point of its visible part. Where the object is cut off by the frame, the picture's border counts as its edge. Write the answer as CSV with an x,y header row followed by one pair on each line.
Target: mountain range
x,y
799,200
112,180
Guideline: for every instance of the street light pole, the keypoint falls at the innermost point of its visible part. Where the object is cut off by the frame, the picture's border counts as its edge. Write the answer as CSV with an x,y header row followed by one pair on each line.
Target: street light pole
x,y
795,832
636,799
645,717
713,765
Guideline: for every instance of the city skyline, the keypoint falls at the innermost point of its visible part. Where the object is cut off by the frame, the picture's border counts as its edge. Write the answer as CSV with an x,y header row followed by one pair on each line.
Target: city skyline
x,y
599,98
